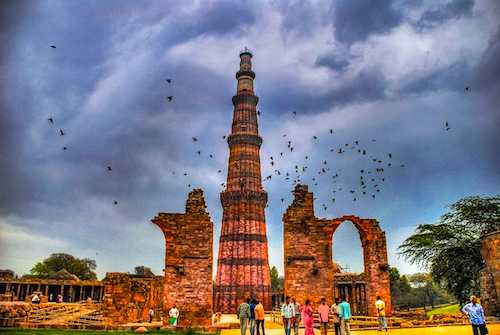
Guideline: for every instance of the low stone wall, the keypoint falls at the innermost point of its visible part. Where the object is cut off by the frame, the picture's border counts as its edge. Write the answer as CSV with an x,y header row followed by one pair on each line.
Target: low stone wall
x,y
11,313
128,298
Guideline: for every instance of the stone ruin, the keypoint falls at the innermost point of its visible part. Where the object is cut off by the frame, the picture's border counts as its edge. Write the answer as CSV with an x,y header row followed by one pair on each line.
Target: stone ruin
x,y
128,298
188,262
310,272
490,275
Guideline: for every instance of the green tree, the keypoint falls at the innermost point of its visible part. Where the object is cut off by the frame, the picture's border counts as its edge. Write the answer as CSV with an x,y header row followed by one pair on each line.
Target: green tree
x,y
142,270
451,248
82,268
276,280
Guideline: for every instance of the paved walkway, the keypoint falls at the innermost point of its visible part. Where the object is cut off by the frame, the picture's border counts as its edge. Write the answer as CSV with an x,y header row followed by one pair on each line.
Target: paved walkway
x,y
274,329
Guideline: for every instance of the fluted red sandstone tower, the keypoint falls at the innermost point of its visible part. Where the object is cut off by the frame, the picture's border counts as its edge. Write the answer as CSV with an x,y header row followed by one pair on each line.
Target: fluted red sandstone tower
x,y
243,264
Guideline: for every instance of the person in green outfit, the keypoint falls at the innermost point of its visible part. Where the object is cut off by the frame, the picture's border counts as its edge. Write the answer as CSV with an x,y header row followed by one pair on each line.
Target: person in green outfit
x,y
243,314
345,316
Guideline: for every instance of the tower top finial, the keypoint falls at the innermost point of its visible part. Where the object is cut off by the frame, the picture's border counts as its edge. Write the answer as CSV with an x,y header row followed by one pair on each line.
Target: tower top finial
x,y
246,51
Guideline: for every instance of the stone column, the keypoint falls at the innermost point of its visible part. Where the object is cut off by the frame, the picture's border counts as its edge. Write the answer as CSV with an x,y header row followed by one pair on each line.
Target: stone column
x,y
490,275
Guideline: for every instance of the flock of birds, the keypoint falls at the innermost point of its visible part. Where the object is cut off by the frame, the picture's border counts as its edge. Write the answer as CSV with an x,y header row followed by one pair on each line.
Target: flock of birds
x,y
370,179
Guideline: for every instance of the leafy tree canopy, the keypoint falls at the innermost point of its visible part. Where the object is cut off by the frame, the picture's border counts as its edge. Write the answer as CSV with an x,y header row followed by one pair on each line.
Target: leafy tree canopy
x,y
276,281
451,248
142,270
82,268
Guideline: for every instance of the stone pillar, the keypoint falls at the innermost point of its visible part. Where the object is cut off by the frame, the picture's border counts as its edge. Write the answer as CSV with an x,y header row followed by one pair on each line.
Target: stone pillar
x,y
188,262
243,264
490,275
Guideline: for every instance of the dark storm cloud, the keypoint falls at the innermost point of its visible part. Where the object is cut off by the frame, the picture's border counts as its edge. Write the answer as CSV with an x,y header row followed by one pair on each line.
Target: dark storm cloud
x,y
451,10
105,86
332,61
488,73
356,20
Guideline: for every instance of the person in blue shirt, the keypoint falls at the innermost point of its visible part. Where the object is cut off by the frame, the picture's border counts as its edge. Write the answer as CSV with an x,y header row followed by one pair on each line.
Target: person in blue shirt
x,y
344,316
475,313
251,323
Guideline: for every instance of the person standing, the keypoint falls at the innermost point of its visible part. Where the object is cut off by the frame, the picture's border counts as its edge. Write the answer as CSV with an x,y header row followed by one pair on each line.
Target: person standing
x,y
151,314
287,314
259,318
243,314
307,318
382,320
297,318
323,311
251,323
334,310
173,313
35,299
475,313
345,316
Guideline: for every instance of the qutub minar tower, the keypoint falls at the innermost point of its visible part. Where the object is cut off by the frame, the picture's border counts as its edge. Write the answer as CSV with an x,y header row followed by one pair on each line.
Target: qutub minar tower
x,y
243,262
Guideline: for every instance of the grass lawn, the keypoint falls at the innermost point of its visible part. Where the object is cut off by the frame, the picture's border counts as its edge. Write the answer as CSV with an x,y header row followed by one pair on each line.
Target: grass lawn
x,y
18,331
451,309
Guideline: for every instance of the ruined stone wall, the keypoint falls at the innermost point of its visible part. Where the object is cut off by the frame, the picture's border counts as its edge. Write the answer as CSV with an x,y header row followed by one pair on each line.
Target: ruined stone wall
x,y
490,275
128,298
188,262
309,267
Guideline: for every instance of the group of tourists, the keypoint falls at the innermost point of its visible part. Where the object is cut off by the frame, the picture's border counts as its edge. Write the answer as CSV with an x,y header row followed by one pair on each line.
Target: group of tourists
x,y
292,314
251,314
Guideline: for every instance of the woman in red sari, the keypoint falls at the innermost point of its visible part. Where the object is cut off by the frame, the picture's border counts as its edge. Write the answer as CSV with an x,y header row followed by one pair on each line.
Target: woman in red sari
x,y
307,318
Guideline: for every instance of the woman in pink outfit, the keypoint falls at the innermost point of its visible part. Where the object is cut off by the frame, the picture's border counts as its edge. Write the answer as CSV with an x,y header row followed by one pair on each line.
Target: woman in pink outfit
x,y
307,318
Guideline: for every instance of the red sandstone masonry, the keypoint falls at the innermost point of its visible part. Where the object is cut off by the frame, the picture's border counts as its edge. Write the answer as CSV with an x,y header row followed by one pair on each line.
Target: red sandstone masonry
x,y
309,268
188,262
243,265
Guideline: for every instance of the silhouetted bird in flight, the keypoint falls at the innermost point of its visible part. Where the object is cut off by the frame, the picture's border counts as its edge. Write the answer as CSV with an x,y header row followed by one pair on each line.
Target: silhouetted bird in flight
x,y
294,113
65,148
115,202
61,132
331,131
170,98
109,168
219,171
447,126
53,46
467,88
224,137
194,139
315,137
198,152
258,112
211,156
168,80
282,199
51,120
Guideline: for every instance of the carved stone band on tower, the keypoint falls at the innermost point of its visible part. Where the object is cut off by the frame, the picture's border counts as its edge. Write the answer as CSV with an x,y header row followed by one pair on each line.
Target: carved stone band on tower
x,y
243,261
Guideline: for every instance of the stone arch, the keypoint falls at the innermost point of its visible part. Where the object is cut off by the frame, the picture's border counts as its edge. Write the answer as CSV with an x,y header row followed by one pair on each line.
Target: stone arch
x,y
309,268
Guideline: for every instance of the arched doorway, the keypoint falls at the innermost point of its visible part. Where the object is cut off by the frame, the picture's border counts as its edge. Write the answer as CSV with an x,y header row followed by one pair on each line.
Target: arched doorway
x,y
348,265
309,269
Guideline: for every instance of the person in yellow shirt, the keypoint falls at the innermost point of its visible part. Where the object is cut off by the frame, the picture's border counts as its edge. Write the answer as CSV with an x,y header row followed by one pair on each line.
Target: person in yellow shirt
x,y
259,318
382,321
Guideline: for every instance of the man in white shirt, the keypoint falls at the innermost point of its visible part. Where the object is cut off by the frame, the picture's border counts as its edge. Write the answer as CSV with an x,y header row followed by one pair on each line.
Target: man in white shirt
x,y
173,314
382,321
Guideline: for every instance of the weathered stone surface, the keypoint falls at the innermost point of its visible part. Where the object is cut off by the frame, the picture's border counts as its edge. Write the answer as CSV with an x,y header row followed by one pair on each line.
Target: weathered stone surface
x,y
243,264
188,262
490,275
310,272
128,298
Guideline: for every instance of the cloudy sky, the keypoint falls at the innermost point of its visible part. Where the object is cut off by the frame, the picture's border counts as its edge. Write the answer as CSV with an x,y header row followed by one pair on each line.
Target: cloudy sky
x,y
390,71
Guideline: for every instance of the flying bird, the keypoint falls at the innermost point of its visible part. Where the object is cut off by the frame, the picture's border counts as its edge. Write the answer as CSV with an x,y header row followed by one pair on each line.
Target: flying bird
x,y
53,46
51,120
109,168
115,202
61,132
194,139
331,131
168,80
170,98
65,148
